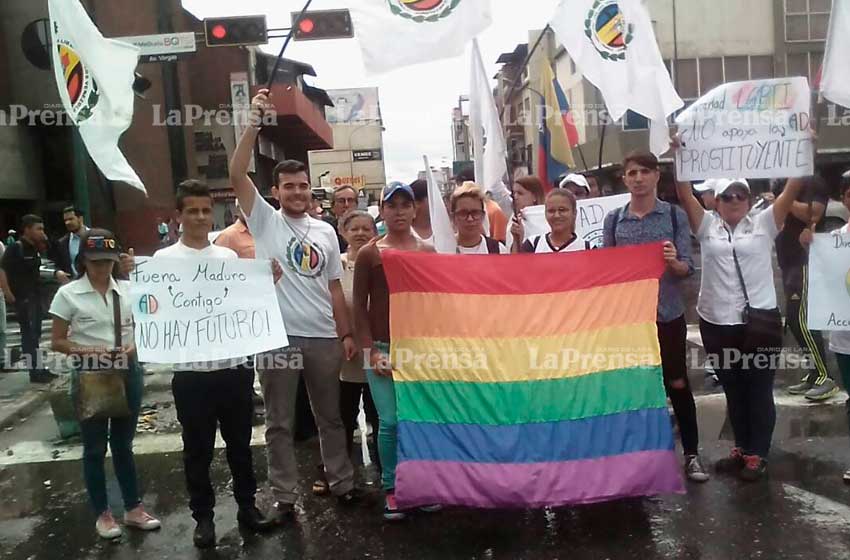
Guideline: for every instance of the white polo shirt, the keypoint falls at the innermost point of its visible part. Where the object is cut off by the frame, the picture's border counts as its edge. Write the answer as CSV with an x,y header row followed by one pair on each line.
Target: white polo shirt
x,y
308,250
721,297
211,251
90,314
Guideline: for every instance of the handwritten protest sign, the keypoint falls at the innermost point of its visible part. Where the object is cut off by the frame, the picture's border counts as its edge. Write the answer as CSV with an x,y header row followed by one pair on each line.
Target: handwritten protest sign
x,y
757,130
829,282
203,310
589,221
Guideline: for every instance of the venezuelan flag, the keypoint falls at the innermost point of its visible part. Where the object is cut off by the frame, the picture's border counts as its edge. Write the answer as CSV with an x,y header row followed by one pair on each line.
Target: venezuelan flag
x,y
558,133
529,381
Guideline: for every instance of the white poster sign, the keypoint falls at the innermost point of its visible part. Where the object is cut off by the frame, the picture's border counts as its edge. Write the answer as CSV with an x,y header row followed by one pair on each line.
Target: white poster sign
x,y
589,222
203,310
829,282
758,130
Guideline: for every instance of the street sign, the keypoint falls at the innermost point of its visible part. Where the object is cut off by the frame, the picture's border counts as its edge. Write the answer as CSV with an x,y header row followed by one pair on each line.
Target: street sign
x,y
366,155
167,47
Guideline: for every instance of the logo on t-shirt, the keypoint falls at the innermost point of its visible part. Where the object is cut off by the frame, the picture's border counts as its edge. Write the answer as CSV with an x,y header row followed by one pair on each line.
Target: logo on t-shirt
x,y
305,258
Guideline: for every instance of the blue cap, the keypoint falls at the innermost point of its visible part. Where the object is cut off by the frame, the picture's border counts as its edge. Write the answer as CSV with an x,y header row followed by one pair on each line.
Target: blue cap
x,y
396,187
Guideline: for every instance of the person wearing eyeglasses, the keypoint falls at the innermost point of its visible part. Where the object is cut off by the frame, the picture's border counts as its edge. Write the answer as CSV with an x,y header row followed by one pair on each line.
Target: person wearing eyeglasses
x,y
344,201
737,272
468,211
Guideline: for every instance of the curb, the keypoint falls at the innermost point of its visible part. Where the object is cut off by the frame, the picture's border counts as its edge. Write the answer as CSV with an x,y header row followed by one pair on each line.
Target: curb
x,y
23,407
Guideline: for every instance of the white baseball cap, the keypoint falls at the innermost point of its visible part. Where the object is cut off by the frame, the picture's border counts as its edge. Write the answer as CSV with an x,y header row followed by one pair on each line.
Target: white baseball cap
x,y
575,179
706,186
723,185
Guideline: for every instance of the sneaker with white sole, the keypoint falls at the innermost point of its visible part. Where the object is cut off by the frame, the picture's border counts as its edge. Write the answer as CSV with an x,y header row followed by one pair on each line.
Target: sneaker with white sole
x,y
391,511
140,519
822,392
107,527
801,388
694,469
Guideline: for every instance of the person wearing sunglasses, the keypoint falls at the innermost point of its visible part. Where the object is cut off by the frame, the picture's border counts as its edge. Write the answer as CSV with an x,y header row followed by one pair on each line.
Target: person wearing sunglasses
x,y
737,272
468,211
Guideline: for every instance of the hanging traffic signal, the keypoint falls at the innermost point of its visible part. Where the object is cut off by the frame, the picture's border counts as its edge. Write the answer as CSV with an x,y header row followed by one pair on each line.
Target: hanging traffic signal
x,y
322,24
236,31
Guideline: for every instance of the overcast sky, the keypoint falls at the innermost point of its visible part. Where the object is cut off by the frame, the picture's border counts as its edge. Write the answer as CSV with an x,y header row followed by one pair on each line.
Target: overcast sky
x,y
416,102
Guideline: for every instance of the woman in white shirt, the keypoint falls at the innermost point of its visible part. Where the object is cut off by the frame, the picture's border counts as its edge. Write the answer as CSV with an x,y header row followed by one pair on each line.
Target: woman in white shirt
x,y
727,235
528,191
468,211
84,329
561,212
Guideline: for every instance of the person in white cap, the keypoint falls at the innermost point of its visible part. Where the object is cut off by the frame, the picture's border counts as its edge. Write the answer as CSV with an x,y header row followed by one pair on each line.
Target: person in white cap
x,y
737,286
576,184
705,194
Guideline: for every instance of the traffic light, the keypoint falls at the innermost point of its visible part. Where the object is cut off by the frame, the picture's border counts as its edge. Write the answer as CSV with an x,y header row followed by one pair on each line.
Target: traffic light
x,y
322,24
236,31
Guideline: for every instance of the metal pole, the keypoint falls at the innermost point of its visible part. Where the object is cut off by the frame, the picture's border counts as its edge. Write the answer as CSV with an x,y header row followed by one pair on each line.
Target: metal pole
x,y
602,143
675,65
171,91
286,44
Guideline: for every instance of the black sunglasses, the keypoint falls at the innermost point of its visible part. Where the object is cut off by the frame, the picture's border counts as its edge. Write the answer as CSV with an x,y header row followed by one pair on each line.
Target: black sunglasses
x,y
734,196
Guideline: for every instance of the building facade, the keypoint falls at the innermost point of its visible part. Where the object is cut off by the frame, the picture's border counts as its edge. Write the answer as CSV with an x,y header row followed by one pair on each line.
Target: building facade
x,y
357,156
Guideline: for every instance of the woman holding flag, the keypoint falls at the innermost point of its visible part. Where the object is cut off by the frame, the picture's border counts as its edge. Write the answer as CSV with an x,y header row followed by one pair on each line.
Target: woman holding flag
x,y
372,325
561,212
468,210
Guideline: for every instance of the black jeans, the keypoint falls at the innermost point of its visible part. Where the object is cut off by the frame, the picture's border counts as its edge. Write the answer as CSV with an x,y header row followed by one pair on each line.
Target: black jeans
x,y
204,401
797,310
748,385
673,339
349,407
30,315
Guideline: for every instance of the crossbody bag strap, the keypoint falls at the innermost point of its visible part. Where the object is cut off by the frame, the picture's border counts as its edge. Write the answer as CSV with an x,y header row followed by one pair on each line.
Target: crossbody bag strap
x,y
738,270
116,317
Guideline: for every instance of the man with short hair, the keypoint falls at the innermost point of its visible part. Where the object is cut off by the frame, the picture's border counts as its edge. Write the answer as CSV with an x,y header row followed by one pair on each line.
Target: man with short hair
x,y
422,221
21,283
208,395
64,252
646,219
314,310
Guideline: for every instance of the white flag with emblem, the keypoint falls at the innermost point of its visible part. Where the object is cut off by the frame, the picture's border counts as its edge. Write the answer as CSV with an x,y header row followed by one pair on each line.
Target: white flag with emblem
x,y
488,138
396,33
613,44
95,78
835,84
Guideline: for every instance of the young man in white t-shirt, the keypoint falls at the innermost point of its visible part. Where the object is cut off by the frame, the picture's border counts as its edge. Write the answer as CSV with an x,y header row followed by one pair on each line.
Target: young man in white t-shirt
x,y
207,394
315,314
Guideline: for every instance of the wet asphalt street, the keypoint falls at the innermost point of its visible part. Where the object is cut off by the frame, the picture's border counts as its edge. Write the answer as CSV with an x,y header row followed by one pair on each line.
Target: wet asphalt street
x,y
801,511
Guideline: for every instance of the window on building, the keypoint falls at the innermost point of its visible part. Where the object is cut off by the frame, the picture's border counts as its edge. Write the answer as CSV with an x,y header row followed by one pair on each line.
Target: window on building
x,y
761,67
710,74
806,20
815,65
635,121
797,64
687,78
737,68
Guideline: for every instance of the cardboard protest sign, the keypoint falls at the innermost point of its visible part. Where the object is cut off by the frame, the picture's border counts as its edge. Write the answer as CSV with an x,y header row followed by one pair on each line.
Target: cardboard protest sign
x,y
758,130
829,282
589,222
203,310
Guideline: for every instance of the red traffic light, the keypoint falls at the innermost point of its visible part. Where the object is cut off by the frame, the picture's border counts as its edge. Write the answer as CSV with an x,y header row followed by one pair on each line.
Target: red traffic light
x,y
236,31
307,25
322,24
219,31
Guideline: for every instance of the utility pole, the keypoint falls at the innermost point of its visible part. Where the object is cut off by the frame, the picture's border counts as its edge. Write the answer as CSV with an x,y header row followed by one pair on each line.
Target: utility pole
x,y
171,90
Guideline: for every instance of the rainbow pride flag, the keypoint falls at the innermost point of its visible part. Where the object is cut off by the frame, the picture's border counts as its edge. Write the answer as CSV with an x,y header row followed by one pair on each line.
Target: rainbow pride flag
x,y
530,380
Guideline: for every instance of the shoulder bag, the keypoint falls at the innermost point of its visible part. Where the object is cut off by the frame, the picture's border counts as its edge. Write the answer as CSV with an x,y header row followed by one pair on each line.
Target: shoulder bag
x,y
763,326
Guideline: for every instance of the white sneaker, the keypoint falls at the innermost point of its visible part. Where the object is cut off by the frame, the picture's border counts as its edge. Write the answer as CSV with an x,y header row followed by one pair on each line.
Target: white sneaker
x,y
106,526
140,519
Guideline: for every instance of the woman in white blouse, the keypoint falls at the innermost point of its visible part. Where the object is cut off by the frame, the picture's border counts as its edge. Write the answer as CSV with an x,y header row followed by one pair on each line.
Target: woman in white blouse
x,y
84,329
747,378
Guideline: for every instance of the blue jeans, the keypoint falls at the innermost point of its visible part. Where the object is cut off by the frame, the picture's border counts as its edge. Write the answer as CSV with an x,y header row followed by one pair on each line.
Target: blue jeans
x,y
119,433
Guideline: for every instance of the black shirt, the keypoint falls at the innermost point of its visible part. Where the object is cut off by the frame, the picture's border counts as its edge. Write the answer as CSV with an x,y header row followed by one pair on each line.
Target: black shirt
x,y
22,262
789,252
343,244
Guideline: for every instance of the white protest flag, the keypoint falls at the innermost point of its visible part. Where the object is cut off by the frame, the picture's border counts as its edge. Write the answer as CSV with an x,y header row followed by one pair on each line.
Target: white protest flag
x,y
613,44
441,224
95,78
396,33
758,129
829,282
835,84
488,138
